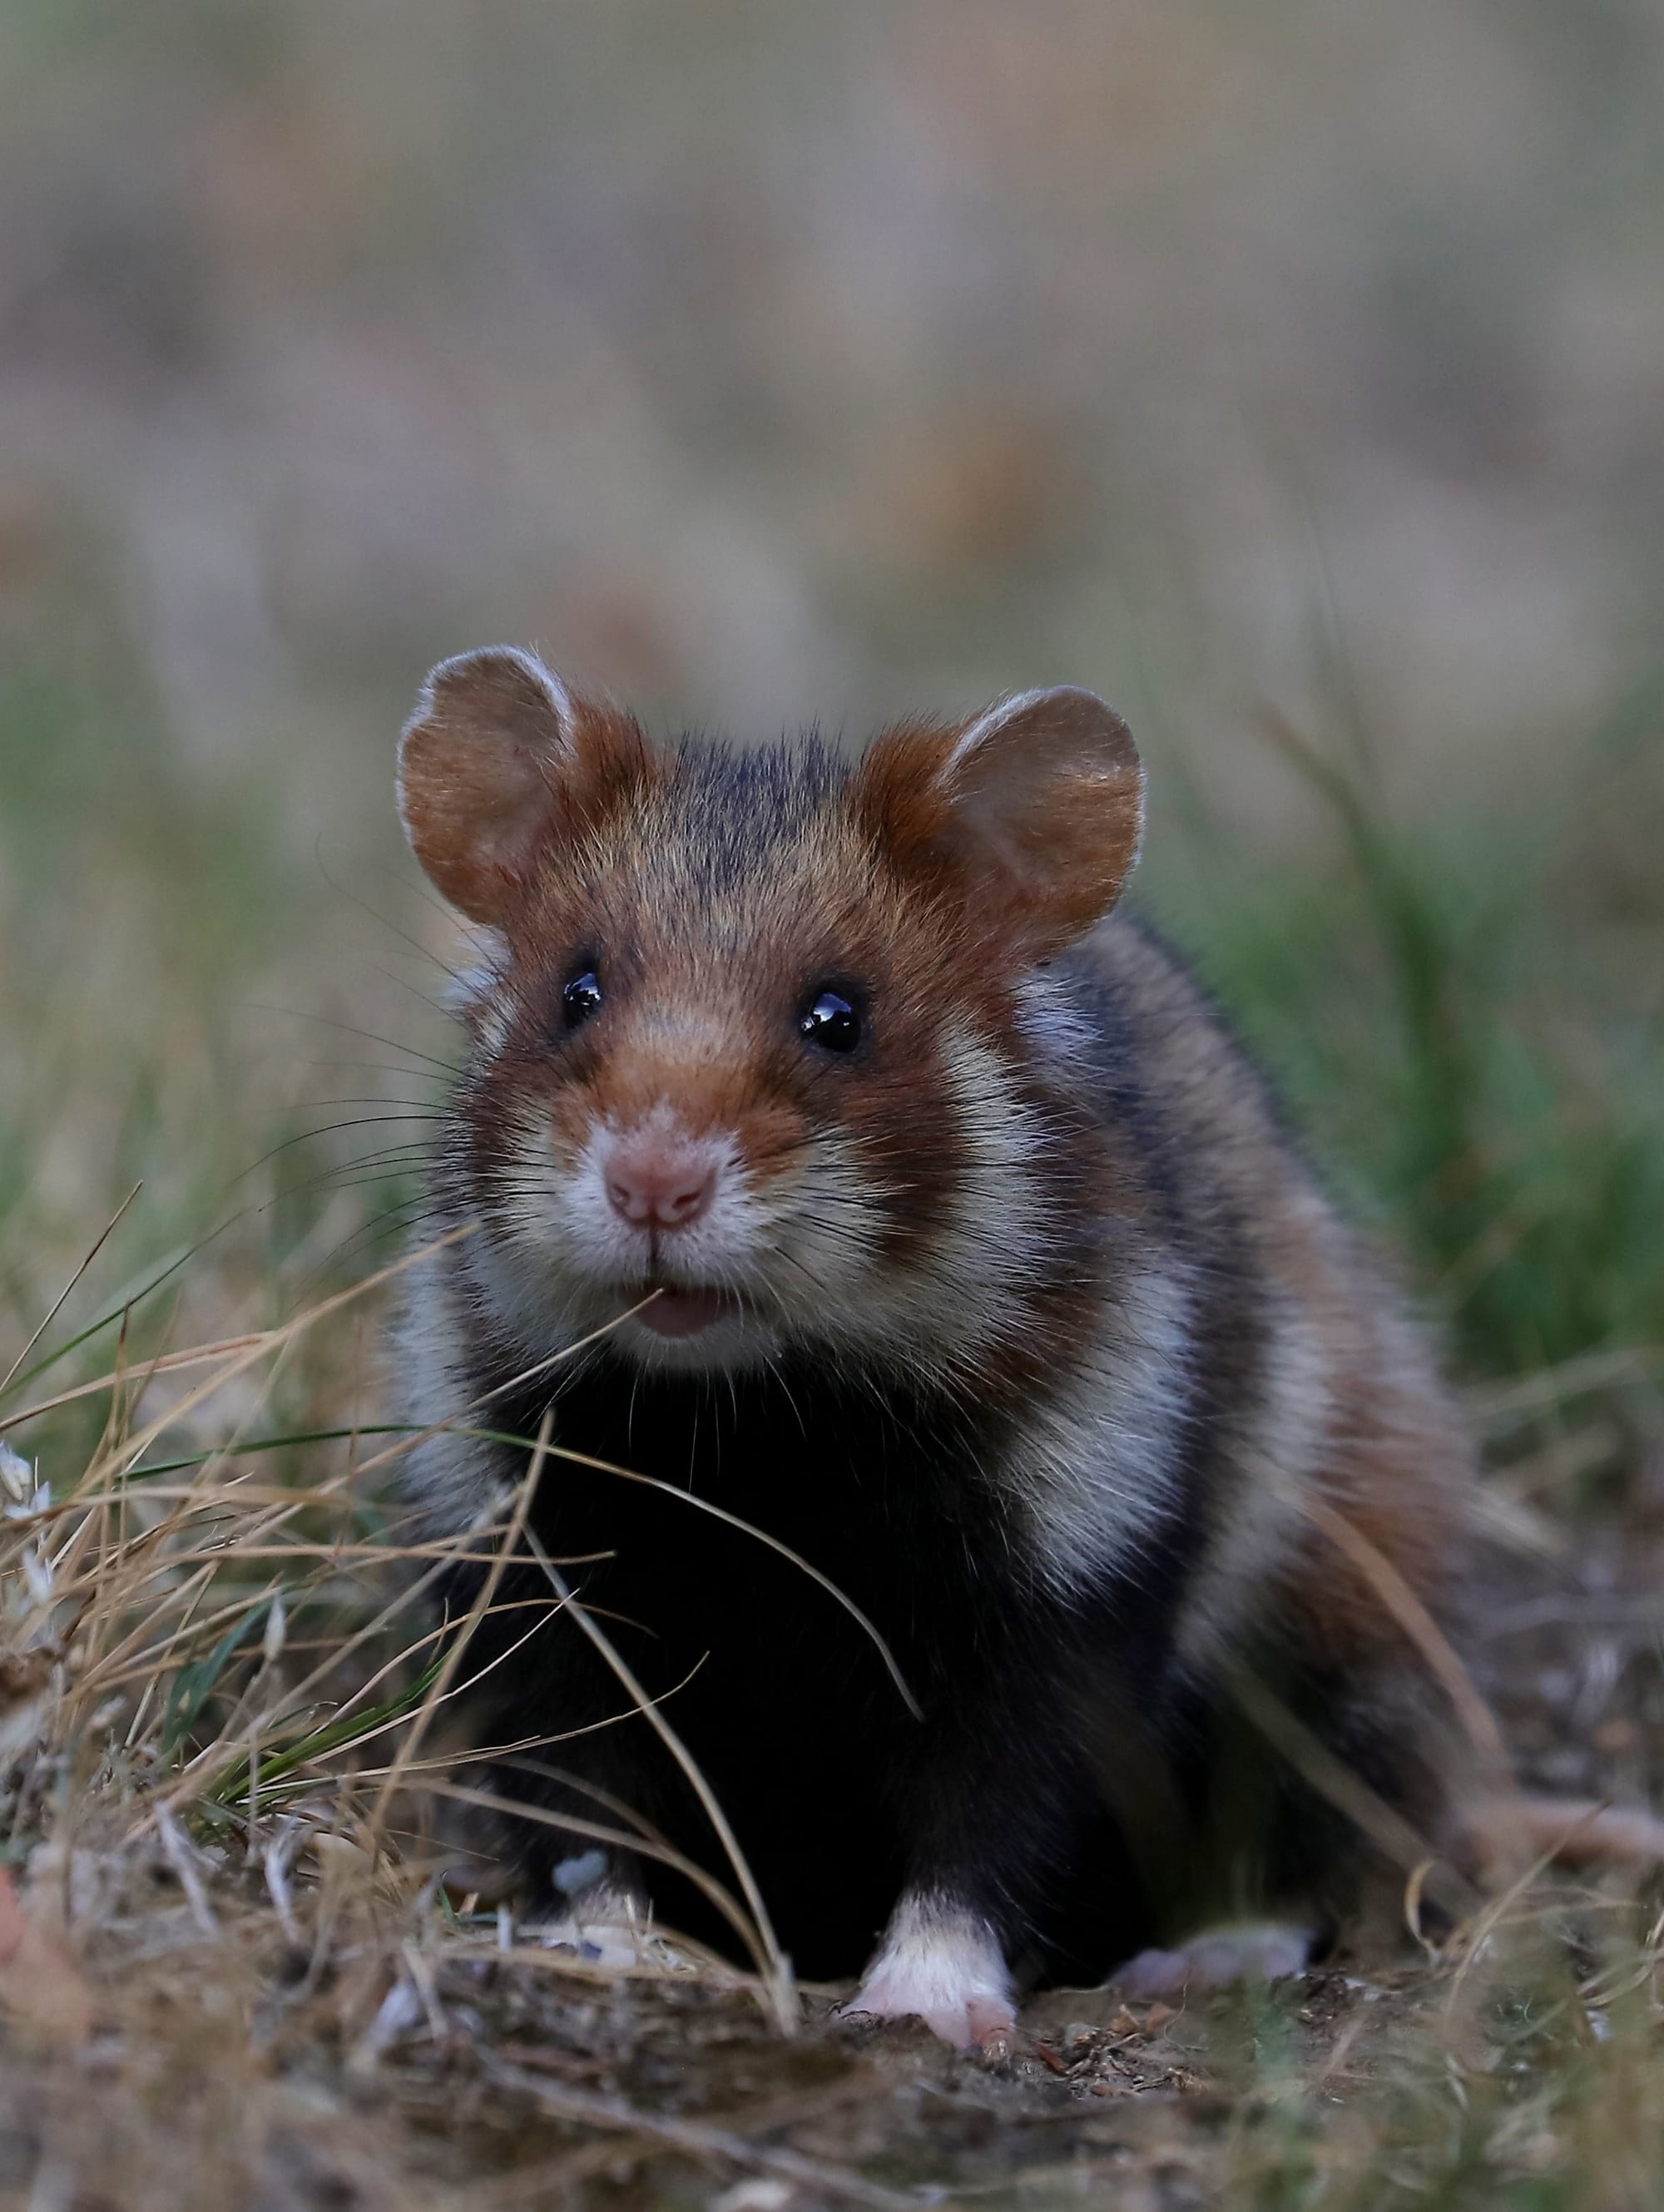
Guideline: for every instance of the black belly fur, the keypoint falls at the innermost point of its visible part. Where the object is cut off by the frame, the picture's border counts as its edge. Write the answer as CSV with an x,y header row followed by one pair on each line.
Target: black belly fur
x,y
826,1776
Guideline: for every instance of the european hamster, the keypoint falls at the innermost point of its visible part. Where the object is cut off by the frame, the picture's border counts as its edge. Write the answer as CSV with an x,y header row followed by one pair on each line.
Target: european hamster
x,y
907,1203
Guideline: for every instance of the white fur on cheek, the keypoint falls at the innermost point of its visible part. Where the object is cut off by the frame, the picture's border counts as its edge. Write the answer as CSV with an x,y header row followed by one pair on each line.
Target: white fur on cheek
x,y
942,1964
935,1312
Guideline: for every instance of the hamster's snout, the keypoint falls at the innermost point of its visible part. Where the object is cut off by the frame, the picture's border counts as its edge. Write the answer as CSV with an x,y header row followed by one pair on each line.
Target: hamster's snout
x,y
655,1181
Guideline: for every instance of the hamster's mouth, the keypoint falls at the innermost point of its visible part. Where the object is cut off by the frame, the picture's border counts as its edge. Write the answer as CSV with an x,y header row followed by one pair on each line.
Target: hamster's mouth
x,y
678,1310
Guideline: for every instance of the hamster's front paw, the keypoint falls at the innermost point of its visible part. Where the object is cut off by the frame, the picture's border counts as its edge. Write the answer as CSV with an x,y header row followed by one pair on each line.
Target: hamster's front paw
x,y
942,1964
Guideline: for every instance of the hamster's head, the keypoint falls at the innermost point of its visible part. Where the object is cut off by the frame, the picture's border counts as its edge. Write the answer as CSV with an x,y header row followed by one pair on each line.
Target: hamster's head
x,y
753,1047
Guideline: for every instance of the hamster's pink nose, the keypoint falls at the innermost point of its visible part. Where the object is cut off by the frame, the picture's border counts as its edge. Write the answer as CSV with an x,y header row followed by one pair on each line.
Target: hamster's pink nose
x,y
660,1185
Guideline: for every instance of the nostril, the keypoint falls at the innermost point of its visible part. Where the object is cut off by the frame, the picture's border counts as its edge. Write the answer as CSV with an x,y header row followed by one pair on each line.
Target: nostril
x,y
626,1198
689,1199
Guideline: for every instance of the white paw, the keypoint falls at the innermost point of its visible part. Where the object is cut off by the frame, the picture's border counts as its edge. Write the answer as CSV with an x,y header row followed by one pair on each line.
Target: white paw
x,y
942,1964
598,1942
1267,1951
605,1926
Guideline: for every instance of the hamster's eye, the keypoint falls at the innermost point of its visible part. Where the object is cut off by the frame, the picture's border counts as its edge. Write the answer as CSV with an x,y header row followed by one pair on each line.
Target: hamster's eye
x,y
581,998
830,1021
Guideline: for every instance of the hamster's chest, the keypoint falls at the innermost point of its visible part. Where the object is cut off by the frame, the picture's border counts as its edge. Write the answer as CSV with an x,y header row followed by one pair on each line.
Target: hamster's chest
x,y
725,1498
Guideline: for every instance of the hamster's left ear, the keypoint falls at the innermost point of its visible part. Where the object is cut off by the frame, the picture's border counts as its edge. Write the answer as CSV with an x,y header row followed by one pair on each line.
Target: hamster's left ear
x,y
1037,806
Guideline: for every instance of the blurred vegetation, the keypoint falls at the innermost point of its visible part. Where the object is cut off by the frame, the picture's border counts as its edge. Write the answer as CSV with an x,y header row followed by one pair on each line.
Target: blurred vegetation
x,y
1467,1054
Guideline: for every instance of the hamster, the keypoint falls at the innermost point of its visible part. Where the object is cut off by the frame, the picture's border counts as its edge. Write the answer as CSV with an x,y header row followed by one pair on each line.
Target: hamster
x,y
907,1214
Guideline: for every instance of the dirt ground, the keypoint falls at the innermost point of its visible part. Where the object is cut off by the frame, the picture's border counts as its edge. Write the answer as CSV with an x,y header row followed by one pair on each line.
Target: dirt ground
x,y
189,2028
508,2080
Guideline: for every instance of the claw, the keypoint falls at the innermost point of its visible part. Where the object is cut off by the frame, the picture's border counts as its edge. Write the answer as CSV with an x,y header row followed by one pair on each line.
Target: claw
x,y
993,2027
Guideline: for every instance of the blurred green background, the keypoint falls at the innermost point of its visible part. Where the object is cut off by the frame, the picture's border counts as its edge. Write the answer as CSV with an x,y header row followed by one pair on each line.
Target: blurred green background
x,y
1290,371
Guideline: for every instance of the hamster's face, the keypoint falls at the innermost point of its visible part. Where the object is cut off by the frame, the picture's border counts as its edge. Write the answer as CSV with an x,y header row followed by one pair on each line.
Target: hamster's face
x,y
727,1068
749,1072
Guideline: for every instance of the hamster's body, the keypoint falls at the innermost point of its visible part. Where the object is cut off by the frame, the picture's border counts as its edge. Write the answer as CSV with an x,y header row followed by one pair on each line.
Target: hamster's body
x,y
981,1278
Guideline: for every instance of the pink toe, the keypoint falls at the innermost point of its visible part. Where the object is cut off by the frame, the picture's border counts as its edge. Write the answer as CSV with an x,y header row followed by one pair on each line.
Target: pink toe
x,y
993,2026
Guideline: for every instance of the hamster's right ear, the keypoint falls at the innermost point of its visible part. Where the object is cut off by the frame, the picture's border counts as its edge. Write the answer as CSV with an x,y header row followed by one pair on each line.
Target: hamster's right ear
x,y
500,760
1034,811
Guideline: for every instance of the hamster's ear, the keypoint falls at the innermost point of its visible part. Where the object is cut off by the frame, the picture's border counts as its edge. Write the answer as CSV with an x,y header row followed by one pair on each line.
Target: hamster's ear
x,y
497,762
1037,806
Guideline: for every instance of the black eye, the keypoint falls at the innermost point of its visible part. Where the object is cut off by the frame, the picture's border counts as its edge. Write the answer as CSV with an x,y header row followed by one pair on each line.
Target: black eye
x,y
581,998
829,1021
